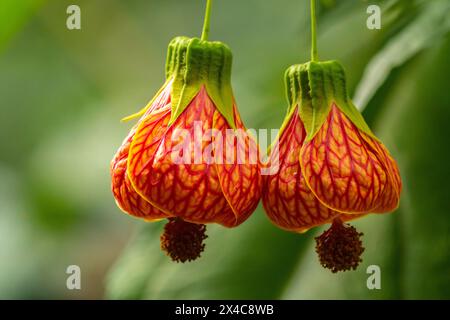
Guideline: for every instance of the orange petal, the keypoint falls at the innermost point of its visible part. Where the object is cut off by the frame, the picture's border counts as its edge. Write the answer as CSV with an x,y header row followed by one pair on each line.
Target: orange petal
x,y
391,196
188,190
287,199
344,171
126,197
237,166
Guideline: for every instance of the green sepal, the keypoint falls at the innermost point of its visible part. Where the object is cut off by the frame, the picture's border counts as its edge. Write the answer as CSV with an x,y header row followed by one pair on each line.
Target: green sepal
x,y
193,63
314,87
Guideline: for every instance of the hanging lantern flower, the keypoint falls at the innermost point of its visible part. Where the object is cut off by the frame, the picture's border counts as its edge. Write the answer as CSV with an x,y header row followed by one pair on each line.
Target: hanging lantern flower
x,y
179,162
332,168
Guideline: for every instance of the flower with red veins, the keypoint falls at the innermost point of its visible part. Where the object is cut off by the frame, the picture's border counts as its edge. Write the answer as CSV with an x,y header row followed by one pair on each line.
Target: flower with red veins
x,y
331,167
179,162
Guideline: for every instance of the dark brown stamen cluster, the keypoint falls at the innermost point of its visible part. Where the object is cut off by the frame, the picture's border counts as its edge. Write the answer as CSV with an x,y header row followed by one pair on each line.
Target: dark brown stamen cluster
x,y
183,241
340,247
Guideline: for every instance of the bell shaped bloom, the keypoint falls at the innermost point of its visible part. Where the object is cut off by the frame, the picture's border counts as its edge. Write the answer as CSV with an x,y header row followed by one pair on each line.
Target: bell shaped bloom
x,y
187,159
332,168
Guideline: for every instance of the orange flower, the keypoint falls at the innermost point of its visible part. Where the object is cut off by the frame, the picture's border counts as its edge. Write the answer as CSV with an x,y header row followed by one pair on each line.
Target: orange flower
x,y
331,166
159,173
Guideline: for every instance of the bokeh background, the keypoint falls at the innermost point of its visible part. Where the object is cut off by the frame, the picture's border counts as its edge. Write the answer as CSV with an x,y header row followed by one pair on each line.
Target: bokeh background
x,y
63,92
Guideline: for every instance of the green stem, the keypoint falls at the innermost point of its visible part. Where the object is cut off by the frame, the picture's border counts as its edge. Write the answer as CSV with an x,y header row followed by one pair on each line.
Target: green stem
x,y
206,22
314,55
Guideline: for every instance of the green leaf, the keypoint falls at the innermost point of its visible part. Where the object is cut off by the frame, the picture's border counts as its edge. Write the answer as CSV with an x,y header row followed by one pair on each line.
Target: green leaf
x,y
433,23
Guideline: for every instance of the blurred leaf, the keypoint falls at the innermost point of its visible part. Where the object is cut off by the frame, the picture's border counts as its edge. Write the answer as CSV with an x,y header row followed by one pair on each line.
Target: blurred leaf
x,y
416,123
13,14
237,264
432,24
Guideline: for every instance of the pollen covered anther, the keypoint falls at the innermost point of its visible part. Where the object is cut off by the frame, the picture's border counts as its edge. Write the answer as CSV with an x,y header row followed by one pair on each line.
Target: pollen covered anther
x,y
340,247
183,241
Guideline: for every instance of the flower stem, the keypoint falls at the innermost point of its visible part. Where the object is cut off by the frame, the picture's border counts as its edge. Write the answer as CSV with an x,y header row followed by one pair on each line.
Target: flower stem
x,y
206,22
314,55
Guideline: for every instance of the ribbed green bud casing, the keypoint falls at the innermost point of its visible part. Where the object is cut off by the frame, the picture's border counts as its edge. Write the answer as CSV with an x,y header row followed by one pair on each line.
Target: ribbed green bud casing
x,y
193,63
314,87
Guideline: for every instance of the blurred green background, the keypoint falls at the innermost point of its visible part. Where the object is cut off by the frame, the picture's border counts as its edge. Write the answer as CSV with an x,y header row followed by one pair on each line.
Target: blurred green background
x,y
62,93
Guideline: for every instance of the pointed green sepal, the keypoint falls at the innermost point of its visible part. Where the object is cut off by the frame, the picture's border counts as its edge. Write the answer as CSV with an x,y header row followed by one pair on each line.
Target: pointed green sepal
x,y
193,63
314,87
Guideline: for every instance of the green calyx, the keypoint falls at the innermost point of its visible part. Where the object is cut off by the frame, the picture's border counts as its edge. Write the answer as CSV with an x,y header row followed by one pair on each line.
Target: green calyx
x,y
193,63
314,87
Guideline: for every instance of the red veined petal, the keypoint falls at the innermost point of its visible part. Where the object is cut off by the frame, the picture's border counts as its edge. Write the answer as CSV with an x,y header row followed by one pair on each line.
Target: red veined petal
x,y
188,190
391,195
345,172
237,165
126,197
287,199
